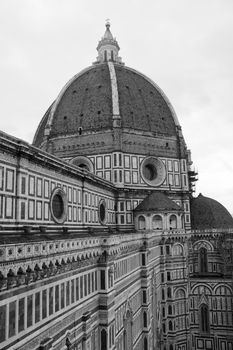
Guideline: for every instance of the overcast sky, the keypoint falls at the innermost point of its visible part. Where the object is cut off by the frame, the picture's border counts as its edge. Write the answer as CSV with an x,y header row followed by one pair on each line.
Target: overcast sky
x,y
185,46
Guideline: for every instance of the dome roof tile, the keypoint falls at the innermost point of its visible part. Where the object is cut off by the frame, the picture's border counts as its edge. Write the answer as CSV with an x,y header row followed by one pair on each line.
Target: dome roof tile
x,y
207,213
142,106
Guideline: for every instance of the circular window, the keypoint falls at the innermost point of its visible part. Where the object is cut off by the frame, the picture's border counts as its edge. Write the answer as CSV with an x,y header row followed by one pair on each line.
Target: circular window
x,y
102,211
58,205
153,171
149,172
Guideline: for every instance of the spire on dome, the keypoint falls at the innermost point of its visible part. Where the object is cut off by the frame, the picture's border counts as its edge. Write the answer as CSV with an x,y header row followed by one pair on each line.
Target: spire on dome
x,y
108,47
108,34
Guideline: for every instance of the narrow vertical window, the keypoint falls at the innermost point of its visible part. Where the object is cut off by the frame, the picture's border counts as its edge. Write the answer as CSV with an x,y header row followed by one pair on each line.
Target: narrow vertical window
x,y
2,323
145,344
50,300
29,310
120,159
102,279
144,319
163,294
203,260
56,298
44,304
115,175
21,315
77,288
143,259
62,295
169,310
120,175
81,286
162,277
92,282
164,328
163,312
144,296
103,337
37,307
22,210
96,286
169,276
23,185
204,313
85,285
89,283
67,293
12,318
72,291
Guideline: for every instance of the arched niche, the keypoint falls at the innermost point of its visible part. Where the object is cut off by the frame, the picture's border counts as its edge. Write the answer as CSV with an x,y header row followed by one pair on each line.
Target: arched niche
x,y
83,163
141,222
157,222
173,222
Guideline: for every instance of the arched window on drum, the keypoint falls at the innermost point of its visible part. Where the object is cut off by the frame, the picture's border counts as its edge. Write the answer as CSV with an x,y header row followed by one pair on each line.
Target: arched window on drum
x,y
177,250
141,223
173,222
157,222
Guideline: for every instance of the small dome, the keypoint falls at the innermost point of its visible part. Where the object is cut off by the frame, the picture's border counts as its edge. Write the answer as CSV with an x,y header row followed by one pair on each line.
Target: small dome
x,y
157,201
207,213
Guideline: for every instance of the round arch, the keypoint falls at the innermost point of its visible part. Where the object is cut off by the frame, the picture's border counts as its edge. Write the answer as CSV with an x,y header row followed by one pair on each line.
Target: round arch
x,y
203,244
141,222
157,222
173,222
83,163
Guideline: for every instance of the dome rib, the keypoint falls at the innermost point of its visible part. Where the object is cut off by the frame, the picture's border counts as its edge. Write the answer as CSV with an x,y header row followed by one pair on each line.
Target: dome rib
x,y
176,121
64,89
39,135
143,105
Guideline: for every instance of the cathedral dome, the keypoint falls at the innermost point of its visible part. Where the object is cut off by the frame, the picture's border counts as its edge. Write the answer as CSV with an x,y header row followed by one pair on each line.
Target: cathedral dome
x,y
108,96
207,213
86,103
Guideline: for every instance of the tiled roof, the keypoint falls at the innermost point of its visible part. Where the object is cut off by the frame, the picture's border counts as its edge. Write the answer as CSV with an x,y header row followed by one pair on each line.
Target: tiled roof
x,y
157,201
